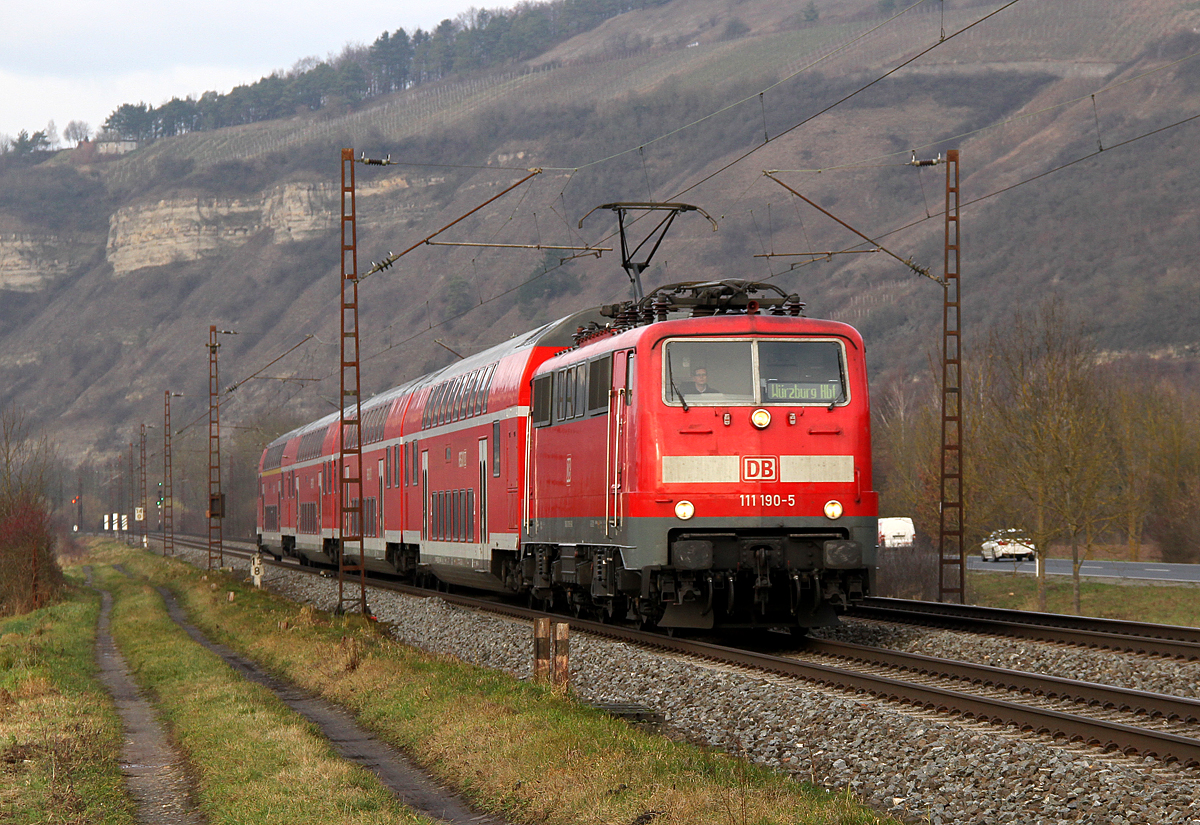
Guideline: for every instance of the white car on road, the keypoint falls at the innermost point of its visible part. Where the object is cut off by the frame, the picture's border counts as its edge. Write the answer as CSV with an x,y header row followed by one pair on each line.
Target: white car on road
x,y
1007,544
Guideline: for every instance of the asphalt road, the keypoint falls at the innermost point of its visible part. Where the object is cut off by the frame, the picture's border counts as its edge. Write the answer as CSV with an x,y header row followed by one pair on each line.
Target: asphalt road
x,y
1155,571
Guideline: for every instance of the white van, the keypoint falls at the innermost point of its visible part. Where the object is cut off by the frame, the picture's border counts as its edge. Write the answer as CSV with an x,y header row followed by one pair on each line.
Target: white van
x,y
896,532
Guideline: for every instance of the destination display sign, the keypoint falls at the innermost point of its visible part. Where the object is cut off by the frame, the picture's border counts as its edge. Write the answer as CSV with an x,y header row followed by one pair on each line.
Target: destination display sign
x,y
798,391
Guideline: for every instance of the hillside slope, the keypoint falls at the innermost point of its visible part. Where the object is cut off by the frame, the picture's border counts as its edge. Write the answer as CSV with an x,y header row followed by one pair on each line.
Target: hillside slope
x,y
110,273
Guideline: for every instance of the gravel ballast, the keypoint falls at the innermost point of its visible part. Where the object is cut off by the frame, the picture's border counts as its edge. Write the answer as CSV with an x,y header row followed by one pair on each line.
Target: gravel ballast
x,y
918,766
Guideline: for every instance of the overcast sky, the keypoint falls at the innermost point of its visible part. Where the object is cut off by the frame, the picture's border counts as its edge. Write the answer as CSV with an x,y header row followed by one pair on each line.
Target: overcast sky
x,y
65,60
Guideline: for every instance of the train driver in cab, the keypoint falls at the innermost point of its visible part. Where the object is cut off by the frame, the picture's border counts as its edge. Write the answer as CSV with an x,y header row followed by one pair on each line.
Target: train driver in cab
x,y
700,382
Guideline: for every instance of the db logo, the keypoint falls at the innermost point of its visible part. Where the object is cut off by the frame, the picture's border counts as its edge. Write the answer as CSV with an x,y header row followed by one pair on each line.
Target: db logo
x,y
760,468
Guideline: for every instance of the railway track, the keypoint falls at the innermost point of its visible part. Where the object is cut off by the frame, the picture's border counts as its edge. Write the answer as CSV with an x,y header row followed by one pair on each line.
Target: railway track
x,y
1110,634
1109,718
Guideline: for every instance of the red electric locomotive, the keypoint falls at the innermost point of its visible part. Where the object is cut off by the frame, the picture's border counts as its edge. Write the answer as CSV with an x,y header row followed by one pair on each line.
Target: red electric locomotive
x,y
697,459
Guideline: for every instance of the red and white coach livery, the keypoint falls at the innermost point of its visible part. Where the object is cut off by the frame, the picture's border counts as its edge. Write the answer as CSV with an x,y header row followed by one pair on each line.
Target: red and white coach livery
x,y
697,459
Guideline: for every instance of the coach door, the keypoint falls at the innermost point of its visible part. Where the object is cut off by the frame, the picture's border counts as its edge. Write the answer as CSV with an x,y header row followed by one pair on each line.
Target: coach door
x,y
512,468
620,398
379,508
424,493
483,489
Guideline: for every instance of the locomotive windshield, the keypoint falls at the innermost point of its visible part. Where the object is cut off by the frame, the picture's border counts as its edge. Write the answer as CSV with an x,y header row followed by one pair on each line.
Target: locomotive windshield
x,y
754,372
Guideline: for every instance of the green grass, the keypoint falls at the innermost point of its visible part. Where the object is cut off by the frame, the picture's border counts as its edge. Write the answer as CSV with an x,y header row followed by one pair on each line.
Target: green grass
x,y
255,759
513,748
1162,604
60,737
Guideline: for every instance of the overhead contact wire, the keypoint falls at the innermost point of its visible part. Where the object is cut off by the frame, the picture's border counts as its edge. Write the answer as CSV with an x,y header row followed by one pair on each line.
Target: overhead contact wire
x,y
869,163
842,100
737,103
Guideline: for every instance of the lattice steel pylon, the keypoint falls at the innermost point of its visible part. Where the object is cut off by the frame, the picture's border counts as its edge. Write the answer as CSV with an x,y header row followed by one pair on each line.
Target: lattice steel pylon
x,y
168,504
350,504
216,501
951,549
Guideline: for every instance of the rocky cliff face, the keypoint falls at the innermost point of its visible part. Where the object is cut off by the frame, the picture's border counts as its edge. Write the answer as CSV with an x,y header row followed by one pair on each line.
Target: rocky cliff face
x,y
27,261
185,229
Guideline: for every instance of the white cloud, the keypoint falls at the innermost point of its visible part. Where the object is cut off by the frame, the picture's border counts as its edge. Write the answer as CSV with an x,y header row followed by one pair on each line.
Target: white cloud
x,y
81,59
29,102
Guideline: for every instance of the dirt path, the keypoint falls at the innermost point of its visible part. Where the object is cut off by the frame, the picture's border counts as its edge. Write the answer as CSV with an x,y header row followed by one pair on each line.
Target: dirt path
x,y
410,784
154,771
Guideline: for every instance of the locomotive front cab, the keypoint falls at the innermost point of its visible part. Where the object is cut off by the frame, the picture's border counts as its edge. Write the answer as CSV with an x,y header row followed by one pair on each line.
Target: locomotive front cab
x,y
761,490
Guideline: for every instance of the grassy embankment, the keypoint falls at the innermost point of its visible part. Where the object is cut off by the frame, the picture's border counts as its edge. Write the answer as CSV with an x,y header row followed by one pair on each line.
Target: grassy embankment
x,y
1162,604
254,759
60,737
514,748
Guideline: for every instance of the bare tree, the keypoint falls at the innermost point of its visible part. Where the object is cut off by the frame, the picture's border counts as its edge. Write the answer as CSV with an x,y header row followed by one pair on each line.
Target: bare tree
x,y
1047,450
29,573
26,460
1173,519
76,132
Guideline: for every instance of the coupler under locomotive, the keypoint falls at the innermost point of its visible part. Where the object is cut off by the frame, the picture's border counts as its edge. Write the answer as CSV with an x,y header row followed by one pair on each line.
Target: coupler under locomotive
x,y
737,579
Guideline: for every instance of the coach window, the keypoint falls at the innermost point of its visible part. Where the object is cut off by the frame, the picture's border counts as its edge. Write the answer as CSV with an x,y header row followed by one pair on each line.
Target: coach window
x,y
476,386
495,449
448,402
599,382
801,372
568,393
708,373
460,384
440,402
460,396
541,400
443,399
480,389
471,515
457,505
487,388
472,393
581,394
451,395
427,413
630,377
468,399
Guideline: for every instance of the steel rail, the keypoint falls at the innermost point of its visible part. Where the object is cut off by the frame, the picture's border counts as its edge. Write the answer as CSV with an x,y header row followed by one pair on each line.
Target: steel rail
x,y
1157,705
1106,735
1135,637
1095,732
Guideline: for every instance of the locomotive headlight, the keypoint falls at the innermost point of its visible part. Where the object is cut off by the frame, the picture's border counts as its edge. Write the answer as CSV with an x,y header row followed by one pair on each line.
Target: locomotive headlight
x,y
760,418
833,509
684,510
